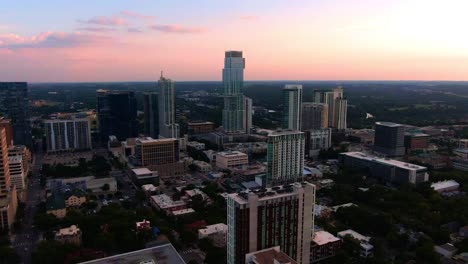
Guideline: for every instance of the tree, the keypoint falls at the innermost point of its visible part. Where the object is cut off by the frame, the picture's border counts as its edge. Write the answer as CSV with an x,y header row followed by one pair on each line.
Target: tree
x,y
105,187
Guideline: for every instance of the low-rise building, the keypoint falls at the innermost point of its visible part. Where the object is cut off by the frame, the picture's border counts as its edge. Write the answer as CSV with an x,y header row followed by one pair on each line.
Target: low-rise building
x,y
55,205
367,250
216,233
194,192
272,255
69,235
74,198
231,159
149,189
96,185
446,250
202,166
143,225
196,145
145,176
165,203
445,186
200,127
324,245
182,212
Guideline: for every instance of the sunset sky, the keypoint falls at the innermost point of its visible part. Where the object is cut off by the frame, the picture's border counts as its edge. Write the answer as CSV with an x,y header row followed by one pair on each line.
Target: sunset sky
x,y
133,40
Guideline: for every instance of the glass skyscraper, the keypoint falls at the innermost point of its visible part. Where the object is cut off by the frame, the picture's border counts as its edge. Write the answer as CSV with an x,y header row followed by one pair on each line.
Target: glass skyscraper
x,y
167,123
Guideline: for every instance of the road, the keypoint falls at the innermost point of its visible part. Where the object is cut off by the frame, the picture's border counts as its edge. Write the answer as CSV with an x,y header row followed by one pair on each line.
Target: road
x,y
25,240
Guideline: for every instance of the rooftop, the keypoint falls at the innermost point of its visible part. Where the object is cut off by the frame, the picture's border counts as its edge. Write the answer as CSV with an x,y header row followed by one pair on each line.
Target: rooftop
x,y
396,163
231,153
270,256
388,124
323,237
285,132
183,211
269,193
354,234
165,254
164,201
144,140
211,229
68,231
444,184
141,171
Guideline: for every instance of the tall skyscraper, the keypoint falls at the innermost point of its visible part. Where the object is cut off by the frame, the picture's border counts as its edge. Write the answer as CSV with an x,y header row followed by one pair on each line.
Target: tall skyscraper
x,y
71,133
151,109
167,122
292,106
8,126
337,107
117,114
234,101
248,115
285,157
279,216
314,116
389,139
14,104
8,195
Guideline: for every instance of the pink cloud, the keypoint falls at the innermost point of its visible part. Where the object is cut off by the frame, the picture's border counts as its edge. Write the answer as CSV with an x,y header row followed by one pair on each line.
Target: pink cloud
x,y
96,29
105,21
177,29
249,17
131,14
50,40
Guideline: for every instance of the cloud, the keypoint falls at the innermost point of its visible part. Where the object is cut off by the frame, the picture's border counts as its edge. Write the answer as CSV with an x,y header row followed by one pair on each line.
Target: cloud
x,y
51,40
134,30
105,21
96,29
177,29
135,15
249,17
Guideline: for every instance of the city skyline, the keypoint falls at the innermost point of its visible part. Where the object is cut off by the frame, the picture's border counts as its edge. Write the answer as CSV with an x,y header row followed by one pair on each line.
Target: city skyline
x,y
284,40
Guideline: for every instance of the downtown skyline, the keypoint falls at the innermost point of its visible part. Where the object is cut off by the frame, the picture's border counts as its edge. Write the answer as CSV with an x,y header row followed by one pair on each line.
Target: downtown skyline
x,y
284,40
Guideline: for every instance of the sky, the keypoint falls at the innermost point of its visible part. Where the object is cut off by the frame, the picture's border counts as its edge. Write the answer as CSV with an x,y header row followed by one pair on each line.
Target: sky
x,y
134,40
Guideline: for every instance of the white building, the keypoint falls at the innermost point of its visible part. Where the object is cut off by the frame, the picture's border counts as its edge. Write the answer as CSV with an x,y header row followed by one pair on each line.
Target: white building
x,y
202,166
216,233
68,134
445,186
248,115
17,176
292,107
316,140
285,157
367,250
231,159
166,203
166,109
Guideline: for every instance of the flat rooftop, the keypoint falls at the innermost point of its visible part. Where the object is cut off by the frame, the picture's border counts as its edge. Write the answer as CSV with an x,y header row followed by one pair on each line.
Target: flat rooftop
x,y
285,132
152,140
231,153
396,163
165,254
268,193
142,171
354,234
388,124
272,256
444,184
323,237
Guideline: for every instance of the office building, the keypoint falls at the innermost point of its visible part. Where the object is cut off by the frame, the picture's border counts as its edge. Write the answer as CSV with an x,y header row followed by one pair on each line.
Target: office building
x,y
316,140
117,114
151,109
270,255
389,139
324,245
8,126
231,159
234,100
385,169
68,134
248,115
292,107
337,106
314,116
8,195
23,151
285,157
279,216
14,105
167,114
17,175
416,142
69,235
216,233
200,127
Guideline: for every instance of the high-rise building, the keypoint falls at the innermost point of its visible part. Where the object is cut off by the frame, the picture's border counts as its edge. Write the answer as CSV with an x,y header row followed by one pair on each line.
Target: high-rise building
x,y
117,114
149,151
389,139
234,101
279,216
14,104
71,133
292,107
8,195
314,116
337,106
248,115
316,140
23,151
285,157
8,126
17,174
167,122
151,109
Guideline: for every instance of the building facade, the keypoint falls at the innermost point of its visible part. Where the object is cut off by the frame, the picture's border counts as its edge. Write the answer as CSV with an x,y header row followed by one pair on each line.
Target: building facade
x,y
231,159
248,115
149,151
389,139
337,106
69,235
167,114
200,127
285,157
8,195
68,134
117,114
292,107
151,109
17,175
8,126
416,142
279,216
14,104
234,100
316,140
314,116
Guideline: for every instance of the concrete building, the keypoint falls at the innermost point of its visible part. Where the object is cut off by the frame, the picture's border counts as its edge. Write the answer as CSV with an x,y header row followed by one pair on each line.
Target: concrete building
x,y
216,233
168,128
416,142
446,250
445,186
231,159
385,169
8,195
314,116
144,176
151,109
292,107
14,104
23,151
279,216
17,175
337,107
8,126
389,139
272,255
202,166
248,115
367,250
324,245
165,203
234,100
117,114
69,134
195,128
92,183
285,157
316,140
196,145
69,235
461,153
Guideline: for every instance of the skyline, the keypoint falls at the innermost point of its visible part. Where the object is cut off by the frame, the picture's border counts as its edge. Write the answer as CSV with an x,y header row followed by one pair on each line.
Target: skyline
x,y
281,40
